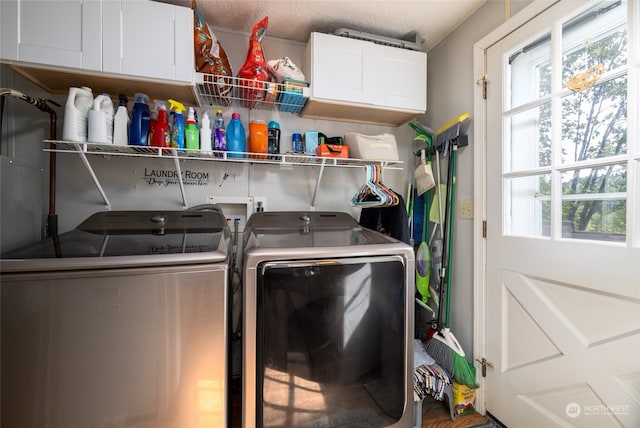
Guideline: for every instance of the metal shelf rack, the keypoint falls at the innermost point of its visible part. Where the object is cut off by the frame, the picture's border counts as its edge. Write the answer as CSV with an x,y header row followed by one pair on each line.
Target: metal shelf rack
x,y
177,155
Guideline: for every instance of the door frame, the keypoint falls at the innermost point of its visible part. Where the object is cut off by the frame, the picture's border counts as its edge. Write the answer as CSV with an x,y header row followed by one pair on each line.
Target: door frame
x,y
479,187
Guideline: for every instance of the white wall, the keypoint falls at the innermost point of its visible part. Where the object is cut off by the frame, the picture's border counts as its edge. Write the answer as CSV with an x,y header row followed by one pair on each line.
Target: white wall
x,y
450,83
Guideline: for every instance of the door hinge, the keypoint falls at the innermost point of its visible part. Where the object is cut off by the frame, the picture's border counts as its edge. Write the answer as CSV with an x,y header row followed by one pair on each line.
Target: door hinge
x,y
483,81
484,363
484,228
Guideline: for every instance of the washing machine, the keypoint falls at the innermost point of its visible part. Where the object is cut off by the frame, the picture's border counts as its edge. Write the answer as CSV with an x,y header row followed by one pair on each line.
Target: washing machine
x,y
327,323
122,322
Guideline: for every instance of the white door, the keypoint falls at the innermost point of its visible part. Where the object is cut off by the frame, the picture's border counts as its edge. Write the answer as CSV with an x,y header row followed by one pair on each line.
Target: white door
x,y
563,229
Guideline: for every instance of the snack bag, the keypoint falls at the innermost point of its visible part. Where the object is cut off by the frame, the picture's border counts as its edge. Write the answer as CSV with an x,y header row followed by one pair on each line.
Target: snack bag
x,y
284,68
254,70
211,58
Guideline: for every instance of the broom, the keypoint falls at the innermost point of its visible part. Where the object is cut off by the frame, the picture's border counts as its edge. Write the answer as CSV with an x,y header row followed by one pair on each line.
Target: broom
x,y
443,346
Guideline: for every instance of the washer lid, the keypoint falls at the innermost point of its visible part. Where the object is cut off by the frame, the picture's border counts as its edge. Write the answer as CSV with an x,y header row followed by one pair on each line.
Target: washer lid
x,y
289,229
127,238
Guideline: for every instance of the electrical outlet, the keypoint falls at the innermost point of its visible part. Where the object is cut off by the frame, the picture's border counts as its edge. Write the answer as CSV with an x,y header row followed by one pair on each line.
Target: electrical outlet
x,y
466,208
259,203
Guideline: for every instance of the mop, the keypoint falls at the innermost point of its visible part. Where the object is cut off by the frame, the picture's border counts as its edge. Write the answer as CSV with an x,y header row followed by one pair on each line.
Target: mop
x,y
443,346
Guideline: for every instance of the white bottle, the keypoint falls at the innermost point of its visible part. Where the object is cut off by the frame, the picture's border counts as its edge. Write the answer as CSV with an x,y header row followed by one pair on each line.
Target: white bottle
x,y
121,123
76,113
205,134
100,120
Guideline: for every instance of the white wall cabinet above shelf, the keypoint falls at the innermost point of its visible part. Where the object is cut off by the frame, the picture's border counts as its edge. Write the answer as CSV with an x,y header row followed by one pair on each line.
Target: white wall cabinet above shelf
x,y
178,155
361,81
106,45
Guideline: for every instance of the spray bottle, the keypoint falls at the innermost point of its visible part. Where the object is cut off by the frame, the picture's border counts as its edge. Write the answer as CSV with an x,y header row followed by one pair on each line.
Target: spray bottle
x,y
191,134
121,122
176,124
161,132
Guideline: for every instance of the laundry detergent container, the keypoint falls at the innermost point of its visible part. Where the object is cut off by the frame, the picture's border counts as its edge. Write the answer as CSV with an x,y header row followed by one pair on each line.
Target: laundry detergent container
x,y
327,323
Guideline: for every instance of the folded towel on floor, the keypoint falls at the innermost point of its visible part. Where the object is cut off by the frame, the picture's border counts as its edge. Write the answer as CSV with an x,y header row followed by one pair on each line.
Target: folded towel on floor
x,y
430,380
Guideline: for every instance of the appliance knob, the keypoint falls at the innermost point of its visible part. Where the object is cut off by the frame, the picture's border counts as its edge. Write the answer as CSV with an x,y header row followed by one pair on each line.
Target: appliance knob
x,y
305,218
159,218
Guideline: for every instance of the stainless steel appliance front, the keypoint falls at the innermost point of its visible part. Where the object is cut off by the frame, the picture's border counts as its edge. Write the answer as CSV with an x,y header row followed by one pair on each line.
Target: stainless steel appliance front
x,y
121,322
328,324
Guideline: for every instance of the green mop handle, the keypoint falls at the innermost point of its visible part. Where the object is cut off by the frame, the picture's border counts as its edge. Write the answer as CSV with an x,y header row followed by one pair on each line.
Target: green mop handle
x,y
452,202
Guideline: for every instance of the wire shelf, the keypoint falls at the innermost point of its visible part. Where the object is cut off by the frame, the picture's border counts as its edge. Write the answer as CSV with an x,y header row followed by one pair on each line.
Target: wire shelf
x,y
297,159
290,96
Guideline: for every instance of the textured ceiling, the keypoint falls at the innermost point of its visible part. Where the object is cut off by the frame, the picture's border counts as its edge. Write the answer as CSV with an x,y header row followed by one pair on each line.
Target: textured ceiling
x,y
430,20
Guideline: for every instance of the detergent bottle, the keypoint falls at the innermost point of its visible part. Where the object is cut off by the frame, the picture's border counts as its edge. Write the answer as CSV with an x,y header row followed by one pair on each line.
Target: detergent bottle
x,y
191,133
235,136
121,122
176,124
205,134
100,120
219,136
140,116
161,132
76,112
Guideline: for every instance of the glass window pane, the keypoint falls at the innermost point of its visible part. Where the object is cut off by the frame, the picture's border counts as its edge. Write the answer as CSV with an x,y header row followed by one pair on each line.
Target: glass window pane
x,y
596,37
594,203
531,71
528,205
594,122
530,138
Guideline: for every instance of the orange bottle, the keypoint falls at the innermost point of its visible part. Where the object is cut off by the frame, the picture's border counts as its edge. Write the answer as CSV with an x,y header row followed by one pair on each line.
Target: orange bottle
x,y
258,138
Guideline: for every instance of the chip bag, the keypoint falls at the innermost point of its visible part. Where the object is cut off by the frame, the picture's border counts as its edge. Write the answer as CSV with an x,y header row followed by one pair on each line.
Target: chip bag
x,y
211,58
254,74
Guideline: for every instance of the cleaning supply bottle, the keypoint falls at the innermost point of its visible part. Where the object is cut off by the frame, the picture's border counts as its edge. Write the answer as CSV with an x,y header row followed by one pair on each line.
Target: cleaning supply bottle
x,y
76,112
219,132
153,119
139,127
235,136
161,133
100,120
205,134
191,134
121,122
274,137
176,124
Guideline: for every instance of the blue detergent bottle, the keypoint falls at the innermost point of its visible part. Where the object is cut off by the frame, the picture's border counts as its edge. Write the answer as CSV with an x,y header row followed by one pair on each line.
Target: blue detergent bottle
x,y
235,136
140,117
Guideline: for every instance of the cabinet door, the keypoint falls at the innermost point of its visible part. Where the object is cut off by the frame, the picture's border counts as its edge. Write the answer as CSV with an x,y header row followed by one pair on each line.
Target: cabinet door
x,y
403,80
341,69
149,39
64,33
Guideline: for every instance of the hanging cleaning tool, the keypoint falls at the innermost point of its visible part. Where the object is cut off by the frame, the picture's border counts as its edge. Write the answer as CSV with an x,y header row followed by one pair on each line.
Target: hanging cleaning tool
x,y
443,345
423,255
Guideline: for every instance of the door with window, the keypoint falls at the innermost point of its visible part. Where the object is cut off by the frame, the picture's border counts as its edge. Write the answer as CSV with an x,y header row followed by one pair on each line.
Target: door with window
x,y
562,307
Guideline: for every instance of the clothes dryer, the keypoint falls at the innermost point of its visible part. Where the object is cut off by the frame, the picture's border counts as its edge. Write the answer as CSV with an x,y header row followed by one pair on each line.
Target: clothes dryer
x,y
327,323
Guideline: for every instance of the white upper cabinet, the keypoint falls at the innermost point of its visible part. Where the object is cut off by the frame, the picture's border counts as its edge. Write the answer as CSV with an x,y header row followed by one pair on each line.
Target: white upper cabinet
x,y
61,33
150,39
356,80
136,38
